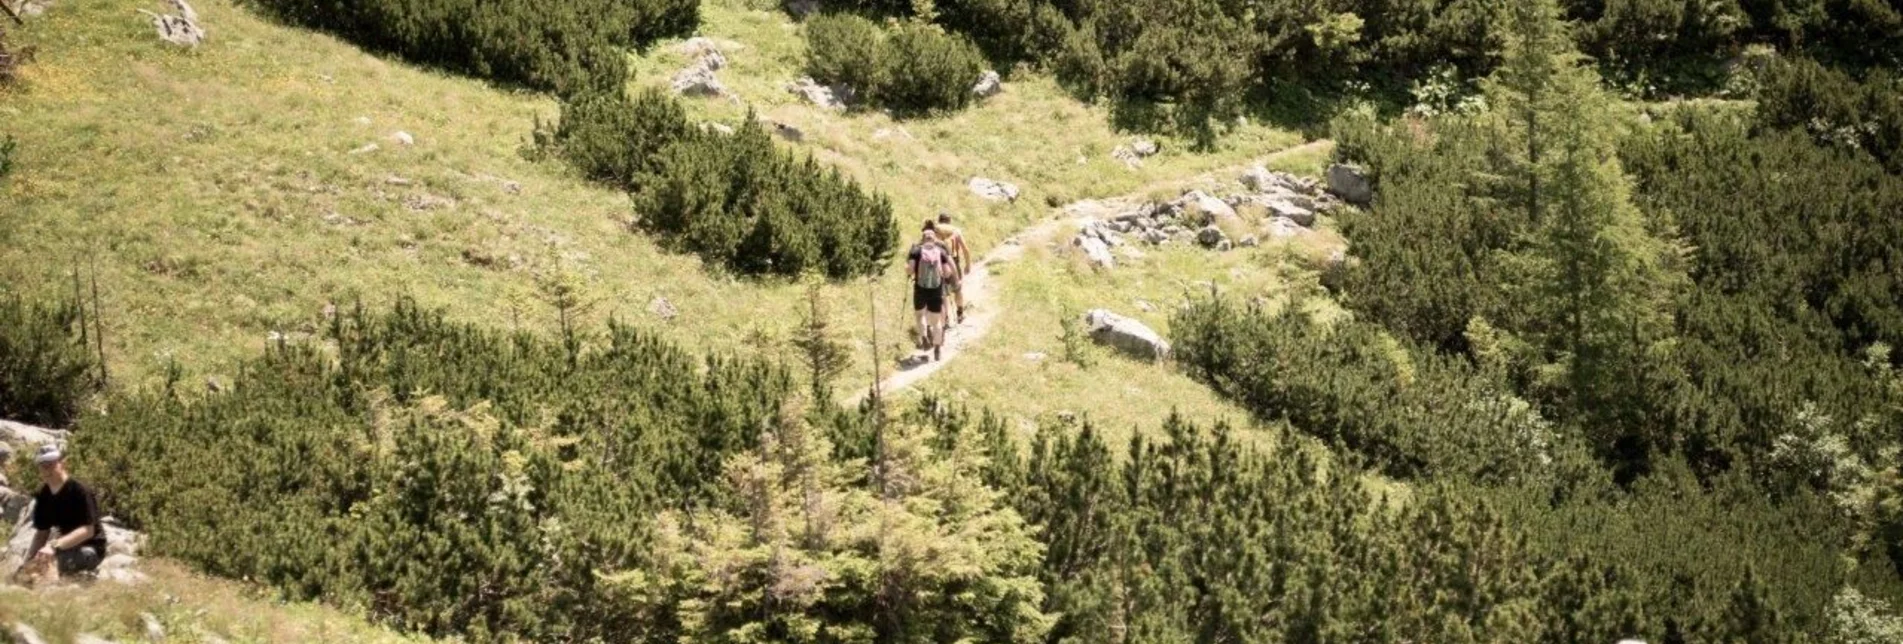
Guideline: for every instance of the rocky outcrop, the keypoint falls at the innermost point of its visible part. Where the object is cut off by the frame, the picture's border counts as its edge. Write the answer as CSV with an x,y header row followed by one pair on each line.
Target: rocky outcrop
x,y
1133,153
821,96
180,28
1126,335
992,190
989,85
1351,184
1096,251
698,78
24,437
698,81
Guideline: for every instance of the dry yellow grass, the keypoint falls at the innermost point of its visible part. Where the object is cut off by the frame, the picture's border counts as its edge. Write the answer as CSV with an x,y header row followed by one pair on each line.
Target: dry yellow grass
x,y
188,606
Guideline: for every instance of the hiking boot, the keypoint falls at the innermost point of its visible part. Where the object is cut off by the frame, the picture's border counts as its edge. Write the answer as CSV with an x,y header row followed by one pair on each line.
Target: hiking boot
x,y
935,353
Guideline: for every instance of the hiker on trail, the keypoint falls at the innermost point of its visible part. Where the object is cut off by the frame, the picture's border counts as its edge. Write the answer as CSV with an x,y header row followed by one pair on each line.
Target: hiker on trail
x,y
931,268
961,255
65,505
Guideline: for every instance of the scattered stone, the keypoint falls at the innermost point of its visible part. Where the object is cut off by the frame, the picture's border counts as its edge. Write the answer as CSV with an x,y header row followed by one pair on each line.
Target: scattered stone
x,y
366,149
26,635
1211,236
1289,211
1224,246
1126,335
425,201
22,435
179,29
993,190
720,128
1259,179
34,8
1351,184
89,638
1096,251
831,98
989,85
1133,153
397,181
363,121
403,138
1213,209
698,80
1155,236
1145,306
13,506
1249,242
120,568
705,52
512,187
1131,252
802,8
663,309
154,631
1035,356
788,132
1280,228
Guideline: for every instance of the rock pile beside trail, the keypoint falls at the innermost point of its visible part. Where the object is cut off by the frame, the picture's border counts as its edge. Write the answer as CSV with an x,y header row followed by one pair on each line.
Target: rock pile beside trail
x,y
1288,206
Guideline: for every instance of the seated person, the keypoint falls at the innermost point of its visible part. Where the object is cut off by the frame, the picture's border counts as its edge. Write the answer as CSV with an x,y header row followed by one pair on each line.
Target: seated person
x,y
65,505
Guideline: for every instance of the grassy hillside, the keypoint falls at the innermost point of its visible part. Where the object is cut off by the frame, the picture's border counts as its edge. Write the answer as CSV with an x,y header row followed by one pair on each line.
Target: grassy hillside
x,y
189,608
218,196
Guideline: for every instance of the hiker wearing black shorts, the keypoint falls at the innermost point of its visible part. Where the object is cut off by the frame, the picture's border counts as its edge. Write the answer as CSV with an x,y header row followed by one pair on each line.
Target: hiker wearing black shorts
x,y
931,268
65,505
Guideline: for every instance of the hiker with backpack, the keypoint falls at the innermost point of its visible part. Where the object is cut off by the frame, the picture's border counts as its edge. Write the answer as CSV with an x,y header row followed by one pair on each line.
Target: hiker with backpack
x,y
931,268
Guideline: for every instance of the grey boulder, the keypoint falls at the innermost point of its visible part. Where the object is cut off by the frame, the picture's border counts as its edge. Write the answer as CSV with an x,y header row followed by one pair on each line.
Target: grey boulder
x,y
1126,335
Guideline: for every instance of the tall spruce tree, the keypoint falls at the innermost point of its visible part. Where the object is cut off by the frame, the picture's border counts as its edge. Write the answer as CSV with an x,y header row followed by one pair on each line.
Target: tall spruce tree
x,y
1591,278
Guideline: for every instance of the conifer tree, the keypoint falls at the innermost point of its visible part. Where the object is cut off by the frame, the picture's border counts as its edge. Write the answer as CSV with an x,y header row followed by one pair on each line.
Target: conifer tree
x,y
1592,279
803,550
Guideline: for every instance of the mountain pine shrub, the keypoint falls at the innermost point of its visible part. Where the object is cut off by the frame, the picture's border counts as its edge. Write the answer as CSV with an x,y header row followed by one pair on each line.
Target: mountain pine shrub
x,y
46,364
737,200
913,68
1412,412
449,479
565,47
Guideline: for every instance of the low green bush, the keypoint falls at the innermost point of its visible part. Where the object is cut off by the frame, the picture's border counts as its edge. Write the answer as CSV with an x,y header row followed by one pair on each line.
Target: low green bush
x,y
929,70
46,365
736,200
846,50
1412,412
912,68
565,47
448,479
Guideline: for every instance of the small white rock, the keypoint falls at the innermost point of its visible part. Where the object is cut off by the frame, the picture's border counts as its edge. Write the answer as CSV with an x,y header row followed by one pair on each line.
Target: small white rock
x,y
403,138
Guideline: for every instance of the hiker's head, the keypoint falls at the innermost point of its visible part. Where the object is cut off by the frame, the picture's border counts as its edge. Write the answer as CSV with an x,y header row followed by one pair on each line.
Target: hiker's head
x,y
52,463
930,235
944,217
930,226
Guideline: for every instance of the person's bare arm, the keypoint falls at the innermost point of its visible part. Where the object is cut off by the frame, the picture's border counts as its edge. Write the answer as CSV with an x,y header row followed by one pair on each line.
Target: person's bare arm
x,y
73,539
40,538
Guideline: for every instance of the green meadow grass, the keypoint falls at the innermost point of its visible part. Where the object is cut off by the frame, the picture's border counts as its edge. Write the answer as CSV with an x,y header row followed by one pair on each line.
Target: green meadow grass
x,y
215,196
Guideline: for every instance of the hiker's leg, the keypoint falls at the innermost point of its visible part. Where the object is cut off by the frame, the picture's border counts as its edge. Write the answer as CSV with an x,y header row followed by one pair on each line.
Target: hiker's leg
x,y
77,561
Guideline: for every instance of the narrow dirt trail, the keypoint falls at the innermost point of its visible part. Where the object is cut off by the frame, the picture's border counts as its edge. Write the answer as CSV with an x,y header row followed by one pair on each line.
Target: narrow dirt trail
x,y
981,293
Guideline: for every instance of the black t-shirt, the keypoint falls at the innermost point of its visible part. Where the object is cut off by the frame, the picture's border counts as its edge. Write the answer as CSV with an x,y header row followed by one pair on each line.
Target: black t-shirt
x,y
70,509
